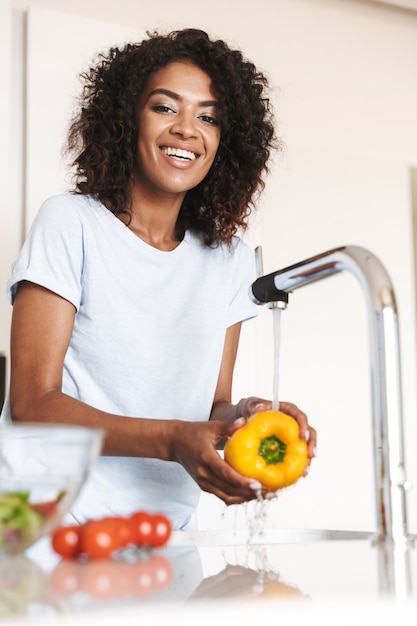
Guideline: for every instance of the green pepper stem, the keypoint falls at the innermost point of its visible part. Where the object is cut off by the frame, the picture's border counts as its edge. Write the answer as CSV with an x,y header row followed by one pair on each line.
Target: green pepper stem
x,y
272,450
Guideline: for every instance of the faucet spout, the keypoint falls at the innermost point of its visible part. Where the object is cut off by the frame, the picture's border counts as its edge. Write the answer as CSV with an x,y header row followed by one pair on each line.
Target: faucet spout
x,y
387,418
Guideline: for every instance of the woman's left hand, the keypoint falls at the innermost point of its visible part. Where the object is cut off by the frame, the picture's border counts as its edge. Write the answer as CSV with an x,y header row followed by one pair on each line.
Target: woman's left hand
x,y
249,406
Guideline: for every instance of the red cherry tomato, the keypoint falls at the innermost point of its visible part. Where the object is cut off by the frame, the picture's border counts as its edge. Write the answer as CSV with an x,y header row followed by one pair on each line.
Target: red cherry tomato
x,y
123,529
66,541
142,528
161,530
99,539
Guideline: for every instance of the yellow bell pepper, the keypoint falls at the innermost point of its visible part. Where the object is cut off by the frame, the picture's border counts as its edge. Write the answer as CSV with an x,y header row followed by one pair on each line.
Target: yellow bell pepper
x,y
268,449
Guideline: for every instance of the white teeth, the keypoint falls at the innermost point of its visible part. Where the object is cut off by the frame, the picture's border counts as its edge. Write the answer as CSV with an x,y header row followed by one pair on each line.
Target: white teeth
x,y
182,154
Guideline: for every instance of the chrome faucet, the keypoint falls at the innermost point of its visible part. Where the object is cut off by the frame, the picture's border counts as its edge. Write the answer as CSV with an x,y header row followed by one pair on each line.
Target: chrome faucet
x,y
387,419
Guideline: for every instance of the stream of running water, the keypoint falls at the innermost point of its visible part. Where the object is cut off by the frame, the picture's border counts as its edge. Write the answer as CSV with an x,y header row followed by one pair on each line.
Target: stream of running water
x,y
276,317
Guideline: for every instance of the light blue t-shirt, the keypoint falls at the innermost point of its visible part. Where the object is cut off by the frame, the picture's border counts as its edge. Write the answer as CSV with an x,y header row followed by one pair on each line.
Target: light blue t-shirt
x,y
147,340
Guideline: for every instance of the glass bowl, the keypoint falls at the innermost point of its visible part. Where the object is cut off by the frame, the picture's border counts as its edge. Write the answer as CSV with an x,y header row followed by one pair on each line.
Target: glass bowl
x,y
42,470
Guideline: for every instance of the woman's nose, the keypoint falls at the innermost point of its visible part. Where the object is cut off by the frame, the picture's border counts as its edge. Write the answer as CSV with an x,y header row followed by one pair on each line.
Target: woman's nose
x,y
185,125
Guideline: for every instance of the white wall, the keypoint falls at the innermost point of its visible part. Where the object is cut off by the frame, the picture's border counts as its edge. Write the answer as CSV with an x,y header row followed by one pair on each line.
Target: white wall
x,y
8,218
345,90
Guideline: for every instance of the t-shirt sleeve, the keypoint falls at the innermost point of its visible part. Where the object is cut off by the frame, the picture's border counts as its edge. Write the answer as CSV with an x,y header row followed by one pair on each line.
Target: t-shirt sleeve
x,y
241,306
52,255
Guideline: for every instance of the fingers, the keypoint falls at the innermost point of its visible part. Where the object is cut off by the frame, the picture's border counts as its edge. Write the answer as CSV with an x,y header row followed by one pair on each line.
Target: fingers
x,y
231,500
216,476
312,443
229,493
251,405
307,432
241,421
250,492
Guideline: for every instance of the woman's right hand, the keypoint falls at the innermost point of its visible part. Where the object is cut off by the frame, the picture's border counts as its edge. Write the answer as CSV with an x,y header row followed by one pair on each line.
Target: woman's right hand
x,y
194,448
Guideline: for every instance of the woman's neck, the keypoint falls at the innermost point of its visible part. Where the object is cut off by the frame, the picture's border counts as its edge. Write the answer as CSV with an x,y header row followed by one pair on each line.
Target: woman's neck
x,y
155,220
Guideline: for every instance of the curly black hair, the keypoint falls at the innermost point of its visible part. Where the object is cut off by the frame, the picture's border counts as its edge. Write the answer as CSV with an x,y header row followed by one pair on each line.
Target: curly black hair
x,y
103,136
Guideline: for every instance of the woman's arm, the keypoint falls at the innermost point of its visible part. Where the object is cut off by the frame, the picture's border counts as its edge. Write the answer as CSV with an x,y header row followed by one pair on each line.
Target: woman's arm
x,y
42,324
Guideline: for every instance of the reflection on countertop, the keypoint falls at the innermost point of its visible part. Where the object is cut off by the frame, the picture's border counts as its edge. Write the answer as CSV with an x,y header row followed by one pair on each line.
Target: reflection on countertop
x,y
71,586
174,574
201,570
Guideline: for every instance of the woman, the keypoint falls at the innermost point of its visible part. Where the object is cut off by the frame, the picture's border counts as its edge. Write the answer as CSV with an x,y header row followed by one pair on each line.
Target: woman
x,y
129,293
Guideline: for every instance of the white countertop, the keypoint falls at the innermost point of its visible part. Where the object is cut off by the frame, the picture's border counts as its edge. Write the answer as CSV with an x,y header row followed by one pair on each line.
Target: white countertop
x,y
326,577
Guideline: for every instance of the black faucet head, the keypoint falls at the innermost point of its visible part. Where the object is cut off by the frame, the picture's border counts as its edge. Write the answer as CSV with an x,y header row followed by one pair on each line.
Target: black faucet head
x,y
263,291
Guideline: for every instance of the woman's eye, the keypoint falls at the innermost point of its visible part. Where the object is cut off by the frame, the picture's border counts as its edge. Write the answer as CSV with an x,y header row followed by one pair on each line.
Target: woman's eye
x,y
209,120
162,108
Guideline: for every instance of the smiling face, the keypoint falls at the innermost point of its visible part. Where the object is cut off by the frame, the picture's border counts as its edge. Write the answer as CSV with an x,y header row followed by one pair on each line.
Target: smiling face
x,y
179,130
